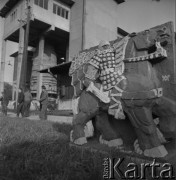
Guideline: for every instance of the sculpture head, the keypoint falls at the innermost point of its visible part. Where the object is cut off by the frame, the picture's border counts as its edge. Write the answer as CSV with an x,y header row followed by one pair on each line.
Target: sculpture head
x,y
160,34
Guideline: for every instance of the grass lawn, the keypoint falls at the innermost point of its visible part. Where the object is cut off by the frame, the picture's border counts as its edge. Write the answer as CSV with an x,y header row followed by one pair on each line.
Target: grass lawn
x,y
39,150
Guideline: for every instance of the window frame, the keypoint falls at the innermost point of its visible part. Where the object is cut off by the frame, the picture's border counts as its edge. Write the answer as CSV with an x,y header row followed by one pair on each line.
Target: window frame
x,y
60,11
42,3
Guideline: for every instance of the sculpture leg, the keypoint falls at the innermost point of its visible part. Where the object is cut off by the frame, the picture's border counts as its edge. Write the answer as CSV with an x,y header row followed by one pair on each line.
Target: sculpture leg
x,y
88,108
142,120
165,110
167,125
79,122
108,135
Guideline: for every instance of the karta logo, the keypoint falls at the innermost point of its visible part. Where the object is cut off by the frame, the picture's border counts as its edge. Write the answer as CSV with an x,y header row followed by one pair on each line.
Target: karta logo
x,y
116,168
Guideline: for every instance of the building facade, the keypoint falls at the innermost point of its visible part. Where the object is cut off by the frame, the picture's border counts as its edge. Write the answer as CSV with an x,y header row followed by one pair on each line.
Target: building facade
x,y
49,26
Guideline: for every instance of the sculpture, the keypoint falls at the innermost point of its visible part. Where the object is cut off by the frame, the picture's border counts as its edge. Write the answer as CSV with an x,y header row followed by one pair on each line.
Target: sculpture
x,y
145,63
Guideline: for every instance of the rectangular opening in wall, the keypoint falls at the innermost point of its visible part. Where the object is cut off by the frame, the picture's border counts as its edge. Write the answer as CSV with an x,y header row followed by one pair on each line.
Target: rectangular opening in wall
x,y
66,14
63,13
13,15
54,8
45,4
41,3
60,11
36,2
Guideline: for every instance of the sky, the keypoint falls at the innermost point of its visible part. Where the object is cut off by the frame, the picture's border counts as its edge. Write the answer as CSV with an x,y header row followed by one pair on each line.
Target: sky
x,y
134,16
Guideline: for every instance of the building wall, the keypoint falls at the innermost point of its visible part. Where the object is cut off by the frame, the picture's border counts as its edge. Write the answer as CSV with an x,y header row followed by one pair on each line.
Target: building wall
x,y
3,2
39,13
65,92
101,21
15,68
98,22
76,28
12,24
48,59
49,17
1,37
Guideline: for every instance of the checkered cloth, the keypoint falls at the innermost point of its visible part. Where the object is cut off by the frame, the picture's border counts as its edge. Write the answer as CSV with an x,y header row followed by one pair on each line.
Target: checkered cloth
x,y
105,62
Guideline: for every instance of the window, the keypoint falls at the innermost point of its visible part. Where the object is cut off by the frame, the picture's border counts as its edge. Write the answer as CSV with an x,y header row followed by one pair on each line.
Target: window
x,y
60,11
63,13
42,3
66,14
13,15
46,4
54,8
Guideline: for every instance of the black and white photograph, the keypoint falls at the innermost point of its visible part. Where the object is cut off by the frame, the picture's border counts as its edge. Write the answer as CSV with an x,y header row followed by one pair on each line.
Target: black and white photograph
x,y
87,89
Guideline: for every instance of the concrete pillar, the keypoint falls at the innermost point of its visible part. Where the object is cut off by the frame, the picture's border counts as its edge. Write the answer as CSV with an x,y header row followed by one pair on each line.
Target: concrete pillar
x,y
20,58
2,68
40,57
76,28
13,91
67,53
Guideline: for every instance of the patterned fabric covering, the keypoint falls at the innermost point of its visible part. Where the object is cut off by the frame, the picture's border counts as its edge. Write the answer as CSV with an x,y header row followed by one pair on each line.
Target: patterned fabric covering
x,y
115,107
78,68
81,59
110,63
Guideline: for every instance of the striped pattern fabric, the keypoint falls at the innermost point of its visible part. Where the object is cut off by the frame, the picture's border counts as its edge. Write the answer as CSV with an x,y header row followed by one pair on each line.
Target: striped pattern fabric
x,y
158,54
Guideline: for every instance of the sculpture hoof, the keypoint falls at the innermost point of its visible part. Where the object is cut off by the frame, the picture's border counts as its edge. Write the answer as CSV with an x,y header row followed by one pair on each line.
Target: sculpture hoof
x,y
71,136
80,141
156,152
89,129
118,143
137,148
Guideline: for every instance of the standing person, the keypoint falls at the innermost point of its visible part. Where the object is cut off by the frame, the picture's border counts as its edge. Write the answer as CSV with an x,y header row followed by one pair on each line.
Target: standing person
x,y
43,103
4,102
27,103
20,103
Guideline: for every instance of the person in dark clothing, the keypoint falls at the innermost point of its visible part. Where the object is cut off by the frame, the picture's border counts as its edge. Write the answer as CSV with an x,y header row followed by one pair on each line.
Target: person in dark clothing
x,y
27,103
43,104
4,102
20,103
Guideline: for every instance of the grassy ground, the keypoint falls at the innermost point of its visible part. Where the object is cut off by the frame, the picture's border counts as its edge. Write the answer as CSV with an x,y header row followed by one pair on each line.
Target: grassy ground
x,y
39,150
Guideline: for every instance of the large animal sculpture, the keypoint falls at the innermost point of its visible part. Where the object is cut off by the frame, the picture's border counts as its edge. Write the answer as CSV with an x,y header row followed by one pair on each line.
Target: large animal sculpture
x,y
147,61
